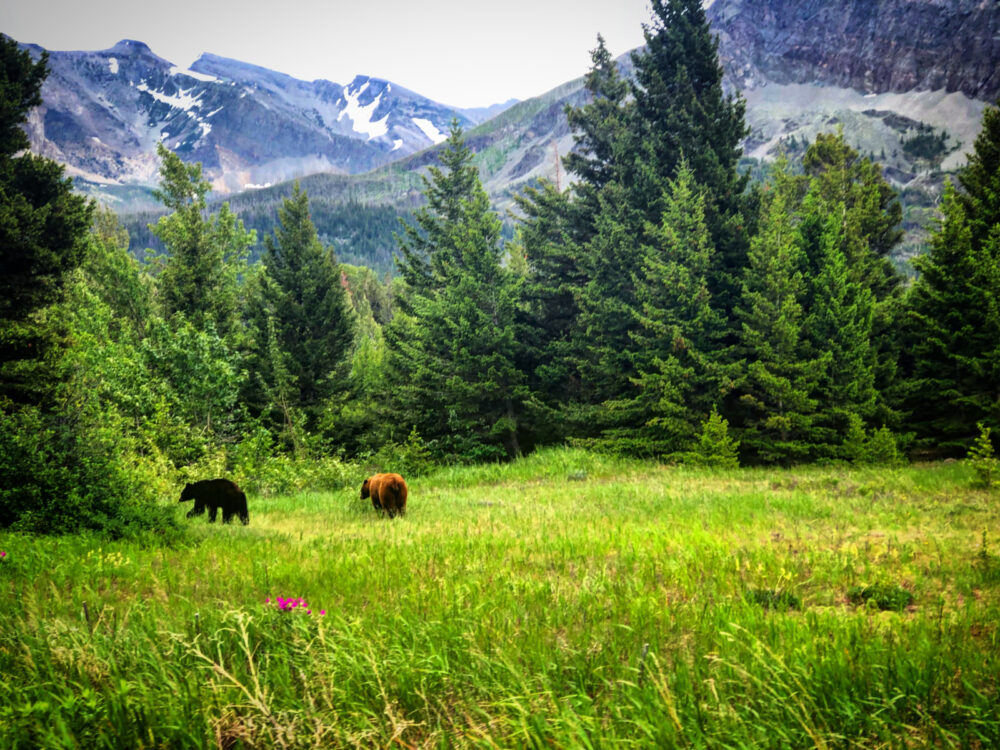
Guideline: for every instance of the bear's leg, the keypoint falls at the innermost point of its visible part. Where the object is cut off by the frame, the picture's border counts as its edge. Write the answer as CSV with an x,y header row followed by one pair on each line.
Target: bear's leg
x,y
227,515
212,510
197,509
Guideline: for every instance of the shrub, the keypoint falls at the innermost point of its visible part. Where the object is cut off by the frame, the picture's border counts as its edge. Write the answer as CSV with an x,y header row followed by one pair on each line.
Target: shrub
x,y
983,461
54,480
887,596
715,447
772,599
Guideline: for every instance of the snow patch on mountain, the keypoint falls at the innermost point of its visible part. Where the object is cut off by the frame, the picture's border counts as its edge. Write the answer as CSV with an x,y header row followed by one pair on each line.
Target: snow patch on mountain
x,y
113,65
183,100
177,71
430,130
361,114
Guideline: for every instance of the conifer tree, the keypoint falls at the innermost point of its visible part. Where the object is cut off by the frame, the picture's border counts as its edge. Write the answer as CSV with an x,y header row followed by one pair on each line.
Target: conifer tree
x,y
778,379
681,111
599,127
953,334
980,179
452,349
43,232
677,344
311,322
206,254
448,185
839,325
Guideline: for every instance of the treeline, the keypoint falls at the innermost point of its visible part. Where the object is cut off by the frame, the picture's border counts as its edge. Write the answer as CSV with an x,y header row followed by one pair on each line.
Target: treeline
x,y
660,307
360,234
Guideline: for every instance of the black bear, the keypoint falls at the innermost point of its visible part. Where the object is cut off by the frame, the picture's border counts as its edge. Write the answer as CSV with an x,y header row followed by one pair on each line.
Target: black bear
x,y
387,491
214,494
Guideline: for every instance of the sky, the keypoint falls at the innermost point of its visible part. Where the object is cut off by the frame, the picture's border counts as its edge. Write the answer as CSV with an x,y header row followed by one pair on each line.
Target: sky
x,y
463,53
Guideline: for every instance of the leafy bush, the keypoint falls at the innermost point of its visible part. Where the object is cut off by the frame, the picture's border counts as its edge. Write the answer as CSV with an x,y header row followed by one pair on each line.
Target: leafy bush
x,y
54,480
772,599
886,596
879,447
411,458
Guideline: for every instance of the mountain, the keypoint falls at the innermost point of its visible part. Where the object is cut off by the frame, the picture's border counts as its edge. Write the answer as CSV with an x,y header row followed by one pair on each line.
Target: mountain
x,y
906,80
103,113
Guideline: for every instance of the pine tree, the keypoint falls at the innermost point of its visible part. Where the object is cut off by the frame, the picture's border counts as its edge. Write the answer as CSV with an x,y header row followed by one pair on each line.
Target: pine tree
x,y
448,185
43,233
452,350
676,346
842,183
556,226
953,332
681,111
206,255
598,131
311,323
778,380
980,180
839,325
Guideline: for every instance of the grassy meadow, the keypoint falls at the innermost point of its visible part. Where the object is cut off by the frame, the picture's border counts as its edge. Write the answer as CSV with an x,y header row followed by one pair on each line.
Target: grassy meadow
x,y
567,600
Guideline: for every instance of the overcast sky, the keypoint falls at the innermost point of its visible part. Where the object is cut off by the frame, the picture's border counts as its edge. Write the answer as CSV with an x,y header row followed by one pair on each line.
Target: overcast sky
x,y
465,53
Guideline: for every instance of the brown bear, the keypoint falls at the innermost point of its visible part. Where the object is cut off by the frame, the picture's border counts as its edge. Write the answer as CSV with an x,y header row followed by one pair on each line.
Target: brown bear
x,y
214,494
388,493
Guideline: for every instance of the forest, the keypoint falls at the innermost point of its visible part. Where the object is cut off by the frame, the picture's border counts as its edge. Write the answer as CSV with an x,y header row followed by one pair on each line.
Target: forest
x,y
662,306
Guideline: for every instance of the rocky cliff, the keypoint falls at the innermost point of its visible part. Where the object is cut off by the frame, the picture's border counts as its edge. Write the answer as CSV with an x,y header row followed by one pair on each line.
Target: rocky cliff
x,y
874,46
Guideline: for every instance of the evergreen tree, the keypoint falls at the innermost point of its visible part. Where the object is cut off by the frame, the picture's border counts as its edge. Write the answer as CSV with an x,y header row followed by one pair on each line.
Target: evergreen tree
x,y
682,112
980,180
308,328
778,380
954,327
206,255
598,127
43,230
843,184
445,190
839,325
452,350
677,345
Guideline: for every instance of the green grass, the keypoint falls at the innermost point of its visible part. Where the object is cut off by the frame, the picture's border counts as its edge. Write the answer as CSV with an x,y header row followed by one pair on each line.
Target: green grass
x,y
512,607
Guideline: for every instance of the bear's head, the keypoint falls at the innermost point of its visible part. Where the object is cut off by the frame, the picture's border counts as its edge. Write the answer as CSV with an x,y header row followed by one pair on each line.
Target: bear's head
x,y
364,489
188,493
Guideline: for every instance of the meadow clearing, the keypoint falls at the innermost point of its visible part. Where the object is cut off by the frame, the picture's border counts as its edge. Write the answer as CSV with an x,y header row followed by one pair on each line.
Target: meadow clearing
x,y
564,600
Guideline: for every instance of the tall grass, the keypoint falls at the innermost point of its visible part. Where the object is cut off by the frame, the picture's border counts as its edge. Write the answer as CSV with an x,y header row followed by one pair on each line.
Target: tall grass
x,y
513,606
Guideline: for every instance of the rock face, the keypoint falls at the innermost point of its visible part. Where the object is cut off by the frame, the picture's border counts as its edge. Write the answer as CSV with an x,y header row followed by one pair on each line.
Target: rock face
x,y
103,113
872,46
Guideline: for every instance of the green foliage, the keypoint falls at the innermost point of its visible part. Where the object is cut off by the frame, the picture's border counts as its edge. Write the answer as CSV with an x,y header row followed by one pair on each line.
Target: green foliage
x,y
926,146
411,458
59,479
715,446
304,325
886,596
983,460
953,329
781,601
206,254
451,369
42,236
778,385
